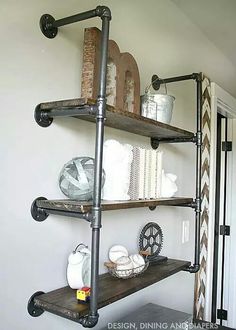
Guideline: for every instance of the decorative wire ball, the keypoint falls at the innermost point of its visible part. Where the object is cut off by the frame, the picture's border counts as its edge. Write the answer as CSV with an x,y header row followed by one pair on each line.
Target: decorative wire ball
x,y
76,178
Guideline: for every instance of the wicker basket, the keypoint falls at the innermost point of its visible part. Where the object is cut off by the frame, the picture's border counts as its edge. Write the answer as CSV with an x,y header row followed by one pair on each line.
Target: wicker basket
x,y
127,273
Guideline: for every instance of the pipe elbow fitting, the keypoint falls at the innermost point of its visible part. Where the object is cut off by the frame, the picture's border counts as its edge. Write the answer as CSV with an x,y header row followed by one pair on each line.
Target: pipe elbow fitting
x,y
103,11
197,76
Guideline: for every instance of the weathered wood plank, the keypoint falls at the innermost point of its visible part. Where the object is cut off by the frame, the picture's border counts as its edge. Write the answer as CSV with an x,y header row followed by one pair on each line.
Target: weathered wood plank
x,y
123,120
63,301
84,207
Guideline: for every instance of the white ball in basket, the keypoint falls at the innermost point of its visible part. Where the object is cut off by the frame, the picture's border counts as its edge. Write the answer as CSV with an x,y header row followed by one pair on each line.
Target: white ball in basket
x,y
124,267
138,263
116,252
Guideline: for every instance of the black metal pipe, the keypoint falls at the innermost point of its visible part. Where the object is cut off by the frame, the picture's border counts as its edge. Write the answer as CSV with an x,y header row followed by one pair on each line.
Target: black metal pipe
x,y
85,216
70,112
156,142
198,171
156,81
178,78
96,210
75,18
195,267
101,11
191,205
49,26
224,222
94,271
177,140
218,179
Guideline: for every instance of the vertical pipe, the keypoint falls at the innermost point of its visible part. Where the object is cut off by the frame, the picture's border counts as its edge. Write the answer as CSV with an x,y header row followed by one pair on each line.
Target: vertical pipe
x,y
217,219
224,222
198,170
100,117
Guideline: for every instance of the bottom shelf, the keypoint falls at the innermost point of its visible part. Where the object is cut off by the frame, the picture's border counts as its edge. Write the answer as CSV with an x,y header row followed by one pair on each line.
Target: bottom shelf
x,y
63,301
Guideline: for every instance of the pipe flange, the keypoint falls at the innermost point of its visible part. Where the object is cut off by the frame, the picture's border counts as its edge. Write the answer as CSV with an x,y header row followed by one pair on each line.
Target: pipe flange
x,y
33,310
156,82
152,208
40,117
89,321
37,213
154,143
46,25
192,269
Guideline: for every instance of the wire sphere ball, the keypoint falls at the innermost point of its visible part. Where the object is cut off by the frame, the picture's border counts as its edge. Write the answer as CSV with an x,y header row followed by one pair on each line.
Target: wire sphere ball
x,y
76,178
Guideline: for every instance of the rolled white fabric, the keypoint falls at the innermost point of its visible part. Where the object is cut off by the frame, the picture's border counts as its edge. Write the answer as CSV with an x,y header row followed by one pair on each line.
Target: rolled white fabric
x,y
116,252
124,267
117,161
138,263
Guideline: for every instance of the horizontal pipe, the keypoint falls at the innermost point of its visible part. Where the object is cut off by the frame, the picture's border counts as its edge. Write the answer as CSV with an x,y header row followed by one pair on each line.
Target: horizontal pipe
x,y
156,81
176,140
192,205
85,216
75,18
178,78
156,142
70,112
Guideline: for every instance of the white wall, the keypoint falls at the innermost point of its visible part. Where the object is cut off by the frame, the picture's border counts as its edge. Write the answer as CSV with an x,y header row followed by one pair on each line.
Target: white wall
x,y
35,69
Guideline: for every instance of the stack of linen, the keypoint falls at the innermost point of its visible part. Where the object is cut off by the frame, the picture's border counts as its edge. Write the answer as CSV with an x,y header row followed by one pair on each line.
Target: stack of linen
x,y
134,173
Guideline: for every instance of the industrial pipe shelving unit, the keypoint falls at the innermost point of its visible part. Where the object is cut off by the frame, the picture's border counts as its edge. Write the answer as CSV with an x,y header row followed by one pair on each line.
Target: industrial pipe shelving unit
x,y
62,301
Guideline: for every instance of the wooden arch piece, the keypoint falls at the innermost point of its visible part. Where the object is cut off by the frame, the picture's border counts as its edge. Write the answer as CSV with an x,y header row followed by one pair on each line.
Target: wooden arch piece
x,y
123,82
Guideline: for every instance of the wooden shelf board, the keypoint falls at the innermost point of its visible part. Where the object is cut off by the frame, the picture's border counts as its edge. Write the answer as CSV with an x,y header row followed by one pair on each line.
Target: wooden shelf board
x,y
84,207
123,120
63,301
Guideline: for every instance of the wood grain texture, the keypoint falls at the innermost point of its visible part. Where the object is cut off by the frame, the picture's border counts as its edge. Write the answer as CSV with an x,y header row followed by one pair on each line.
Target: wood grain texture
x,y
124,64
63,301
84,207
123,120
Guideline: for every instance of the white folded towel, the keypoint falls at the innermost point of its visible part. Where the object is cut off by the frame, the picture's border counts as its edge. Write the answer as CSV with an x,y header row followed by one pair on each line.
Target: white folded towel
x,y
117,161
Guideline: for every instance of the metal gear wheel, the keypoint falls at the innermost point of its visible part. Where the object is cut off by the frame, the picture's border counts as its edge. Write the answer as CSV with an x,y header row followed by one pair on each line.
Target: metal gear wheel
x,y
151,239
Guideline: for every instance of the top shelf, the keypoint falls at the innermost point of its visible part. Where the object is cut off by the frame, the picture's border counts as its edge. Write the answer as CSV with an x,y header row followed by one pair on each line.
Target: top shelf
x,y
123,120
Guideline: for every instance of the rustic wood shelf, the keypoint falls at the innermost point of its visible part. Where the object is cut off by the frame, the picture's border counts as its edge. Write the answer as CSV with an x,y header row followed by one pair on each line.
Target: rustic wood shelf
x,y
63,301
85,207
122,120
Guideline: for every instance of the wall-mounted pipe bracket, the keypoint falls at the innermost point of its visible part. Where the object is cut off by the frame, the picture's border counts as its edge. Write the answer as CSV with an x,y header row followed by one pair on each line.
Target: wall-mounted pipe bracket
x,y
44,118
41,214
33,310
157,81
194,139
46,25
49,26
38,214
